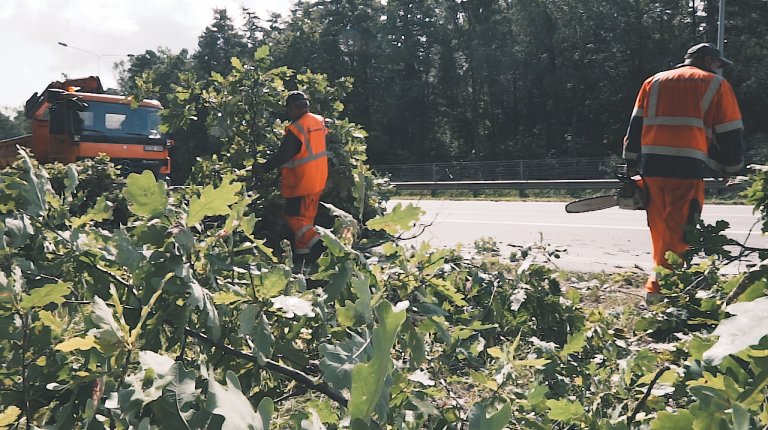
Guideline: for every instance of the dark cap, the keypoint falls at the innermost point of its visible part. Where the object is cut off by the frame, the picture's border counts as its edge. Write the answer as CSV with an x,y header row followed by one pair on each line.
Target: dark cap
x,y
703,49
295,96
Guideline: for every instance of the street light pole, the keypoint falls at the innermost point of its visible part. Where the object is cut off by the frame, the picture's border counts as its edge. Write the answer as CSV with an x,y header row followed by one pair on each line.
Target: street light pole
x,y
721,28
98,56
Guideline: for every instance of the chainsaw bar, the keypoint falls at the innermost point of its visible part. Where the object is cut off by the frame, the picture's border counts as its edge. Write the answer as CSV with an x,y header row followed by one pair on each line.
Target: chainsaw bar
x,y
592,204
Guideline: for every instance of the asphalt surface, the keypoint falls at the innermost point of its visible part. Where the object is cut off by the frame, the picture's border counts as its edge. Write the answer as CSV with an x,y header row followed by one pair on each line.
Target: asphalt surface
x,y
610,240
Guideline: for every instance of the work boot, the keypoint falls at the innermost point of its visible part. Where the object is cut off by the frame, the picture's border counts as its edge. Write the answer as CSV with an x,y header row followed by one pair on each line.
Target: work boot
x,y
653,298
310,260
316,251
299,261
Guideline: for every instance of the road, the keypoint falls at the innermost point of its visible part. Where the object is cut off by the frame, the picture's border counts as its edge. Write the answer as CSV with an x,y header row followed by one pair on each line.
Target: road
x,y
611,240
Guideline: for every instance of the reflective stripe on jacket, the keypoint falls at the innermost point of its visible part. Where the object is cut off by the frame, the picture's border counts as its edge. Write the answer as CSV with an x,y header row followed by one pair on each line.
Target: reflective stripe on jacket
x,y
307,171
677,117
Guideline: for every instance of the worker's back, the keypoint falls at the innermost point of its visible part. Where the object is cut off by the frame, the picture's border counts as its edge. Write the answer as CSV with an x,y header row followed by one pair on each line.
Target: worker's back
x,y
682,109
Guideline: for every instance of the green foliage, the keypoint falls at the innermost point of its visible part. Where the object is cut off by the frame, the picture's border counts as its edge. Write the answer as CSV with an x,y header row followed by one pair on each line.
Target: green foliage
x,y
146,197
212,201
229,402
92,189
243,113
478,418
14,127
438,80
124,304
399,219
680,421
135,324
757,193
368,379
181,318
486,245
217,44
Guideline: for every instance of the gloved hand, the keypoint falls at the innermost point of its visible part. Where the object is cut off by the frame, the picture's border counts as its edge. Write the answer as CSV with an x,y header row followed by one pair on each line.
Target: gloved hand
x,y
728,181
632,169
257,170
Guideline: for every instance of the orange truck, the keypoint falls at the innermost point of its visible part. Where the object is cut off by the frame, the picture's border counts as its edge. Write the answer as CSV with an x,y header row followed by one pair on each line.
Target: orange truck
x,y
75,119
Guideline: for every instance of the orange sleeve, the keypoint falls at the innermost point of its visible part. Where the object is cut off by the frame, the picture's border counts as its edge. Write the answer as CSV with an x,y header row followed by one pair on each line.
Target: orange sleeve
x,y
632,140
726,115
727,151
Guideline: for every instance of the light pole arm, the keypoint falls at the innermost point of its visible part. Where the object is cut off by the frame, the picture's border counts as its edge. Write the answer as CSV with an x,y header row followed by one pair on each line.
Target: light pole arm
x,y
98,56
79,49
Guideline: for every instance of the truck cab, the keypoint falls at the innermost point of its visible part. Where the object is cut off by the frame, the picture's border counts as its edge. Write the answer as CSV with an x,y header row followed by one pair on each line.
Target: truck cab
x,y
74,119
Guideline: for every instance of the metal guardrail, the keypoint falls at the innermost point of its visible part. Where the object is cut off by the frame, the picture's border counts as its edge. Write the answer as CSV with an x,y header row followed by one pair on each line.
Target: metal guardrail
x,y
511,170
562,184
548,174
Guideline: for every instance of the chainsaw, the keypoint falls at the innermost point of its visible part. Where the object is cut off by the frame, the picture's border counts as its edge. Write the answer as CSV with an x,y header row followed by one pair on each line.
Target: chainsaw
x,y
631,195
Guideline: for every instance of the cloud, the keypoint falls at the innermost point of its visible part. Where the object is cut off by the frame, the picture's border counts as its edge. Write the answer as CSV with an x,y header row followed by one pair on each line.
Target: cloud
x,y
99,33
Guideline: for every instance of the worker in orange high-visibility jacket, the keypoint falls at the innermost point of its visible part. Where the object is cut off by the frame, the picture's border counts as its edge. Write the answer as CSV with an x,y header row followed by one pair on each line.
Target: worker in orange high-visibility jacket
x,y
303,163
686,123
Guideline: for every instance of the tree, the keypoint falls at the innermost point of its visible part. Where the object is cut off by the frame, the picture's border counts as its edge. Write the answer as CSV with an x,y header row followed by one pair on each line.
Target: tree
x,y
164,67
217,44
745,45
403,126
487,80
14,127
156,75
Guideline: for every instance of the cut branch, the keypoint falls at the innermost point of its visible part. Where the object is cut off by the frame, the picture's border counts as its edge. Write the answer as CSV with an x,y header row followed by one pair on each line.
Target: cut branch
x,y
647,394
273,366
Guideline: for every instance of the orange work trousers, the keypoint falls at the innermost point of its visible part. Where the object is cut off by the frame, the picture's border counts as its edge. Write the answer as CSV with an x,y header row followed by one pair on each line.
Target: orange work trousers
x,y
673,204
300,214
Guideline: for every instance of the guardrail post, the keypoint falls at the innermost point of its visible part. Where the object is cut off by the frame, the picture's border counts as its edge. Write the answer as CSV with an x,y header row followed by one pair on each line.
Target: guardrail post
x,y
522,176
433,192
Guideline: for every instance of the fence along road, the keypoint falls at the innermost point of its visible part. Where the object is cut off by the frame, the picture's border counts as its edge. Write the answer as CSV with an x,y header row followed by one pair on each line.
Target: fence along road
x,y
513,170
551,174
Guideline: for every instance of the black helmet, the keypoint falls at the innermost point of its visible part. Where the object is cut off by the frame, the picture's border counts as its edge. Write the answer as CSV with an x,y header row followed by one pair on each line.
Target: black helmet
x,y
703,49
295,96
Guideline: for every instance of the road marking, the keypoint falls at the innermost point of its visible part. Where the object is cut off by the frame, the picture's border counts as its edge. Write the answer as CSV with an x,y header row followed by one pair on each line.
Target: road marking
x,y
705,215
545,224
728,215
542,224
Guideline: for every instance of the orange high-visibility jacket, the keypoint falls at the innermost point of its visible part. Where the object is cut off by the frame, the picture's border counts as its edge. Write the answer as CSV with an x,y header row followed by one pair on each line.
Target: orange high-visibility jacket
x,y
307,171
684,120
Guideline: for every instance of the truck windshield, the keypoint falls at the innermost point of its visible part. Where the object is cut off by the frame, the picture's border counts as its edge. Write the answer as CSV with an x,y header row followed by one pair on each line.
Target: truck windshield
x,y
117,119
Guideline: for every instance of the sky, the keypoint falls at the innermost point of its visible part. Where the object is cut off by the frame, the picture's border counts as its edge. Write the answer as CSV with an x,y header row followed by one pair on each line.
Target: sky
x,y
98,33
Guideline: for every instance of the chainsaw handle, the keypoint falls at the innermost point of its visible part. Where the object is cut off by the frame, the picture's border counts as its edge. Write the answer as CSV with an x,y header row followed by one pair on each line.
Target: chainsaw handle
x,y
622,172
626,173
